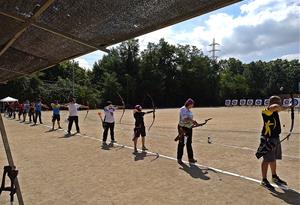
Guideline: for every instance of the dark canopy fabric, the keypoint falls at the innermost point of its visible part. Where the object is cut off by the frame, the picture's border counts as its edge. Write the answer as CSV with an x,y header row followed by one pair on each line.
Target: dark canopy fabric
x,y
37,34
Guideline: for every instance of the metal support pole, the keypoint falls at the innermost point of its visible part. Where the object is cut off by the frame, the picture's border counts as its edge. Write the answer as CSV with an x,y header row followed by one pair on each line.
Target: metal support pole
x,y
10,159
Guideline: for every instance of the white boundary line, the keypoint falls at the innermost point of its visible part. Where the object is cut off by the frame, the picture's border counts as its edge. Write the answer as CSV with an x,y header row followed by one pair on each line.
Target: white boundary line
x,y
174,159
245,148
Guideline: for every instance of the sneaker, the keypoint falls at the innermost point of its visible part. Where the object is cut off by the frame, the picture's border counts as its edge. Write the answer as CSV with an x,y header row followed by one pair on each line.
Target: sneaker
x,y
192,161
135,150
266,183
179,161
144,148
277,180
113,141
59,127
104,144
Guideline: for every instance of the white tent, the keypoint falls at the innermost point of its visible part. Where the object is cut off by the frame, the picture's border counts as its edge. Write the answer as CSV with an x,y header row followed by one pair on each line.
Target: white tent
x,y
8,99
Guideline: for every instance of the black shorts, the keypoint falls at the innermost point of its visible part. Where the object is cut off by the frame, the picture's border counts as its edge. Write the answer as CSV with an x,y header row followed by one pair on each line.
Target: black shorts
x,y
139,131
275,153
56,117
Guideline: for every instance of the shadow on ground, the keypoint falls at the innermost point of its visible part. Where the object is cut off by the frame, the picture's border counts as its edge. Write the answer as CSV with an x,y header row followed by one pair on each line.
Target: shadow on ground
x,y
142,155
288,196
195,171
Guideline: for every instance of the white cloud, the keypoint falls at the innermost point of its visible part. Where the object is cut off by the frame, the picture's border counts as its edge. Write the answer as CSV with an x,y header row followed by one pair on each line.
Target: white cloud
x,y
261,25
263,30
87,61
82,62
291,56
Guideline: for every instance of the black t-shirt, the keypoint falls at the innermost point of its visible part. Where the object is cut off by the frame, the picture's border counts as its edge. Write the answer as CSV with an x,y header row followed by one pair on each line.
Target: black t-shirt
x,y
272,127
139,119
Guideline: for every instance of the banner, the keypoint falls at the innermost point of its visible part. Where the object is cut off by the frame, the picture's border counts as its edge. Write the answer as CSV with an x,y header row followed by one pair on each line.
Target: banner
x,y
266,102
250,102
227,102
258,102
243,102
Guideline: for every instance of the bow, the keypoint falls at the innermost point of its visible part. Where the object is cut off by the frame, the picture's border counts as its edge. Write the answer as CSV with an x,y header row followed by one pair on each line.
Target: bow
x,y
153,108
87,112
292,119
123,103
201,124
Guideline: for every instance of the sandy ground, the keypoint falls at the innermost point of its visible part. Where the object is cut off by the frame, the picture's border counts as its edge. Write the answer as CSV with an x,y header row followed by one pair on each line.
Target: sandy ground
x,y
76,170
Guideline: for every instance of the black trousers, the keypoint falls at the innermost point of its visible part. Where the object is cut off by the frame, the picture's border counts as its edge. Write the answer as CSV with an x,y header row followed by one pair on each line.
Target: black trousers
x,y
189,133
38,114
108,126
71,120
31,116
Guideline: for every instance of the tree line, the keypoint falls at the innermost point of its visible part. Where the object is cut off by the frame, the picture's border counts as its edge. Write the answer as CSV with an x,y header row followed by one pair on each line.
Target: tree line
x,y
169,73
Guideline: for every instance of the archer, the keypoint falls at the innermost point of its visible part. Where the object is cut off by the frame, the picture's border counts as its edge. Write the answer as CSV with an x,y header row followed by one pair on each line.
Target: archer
x,y
139,129
108,122
270,145
185,129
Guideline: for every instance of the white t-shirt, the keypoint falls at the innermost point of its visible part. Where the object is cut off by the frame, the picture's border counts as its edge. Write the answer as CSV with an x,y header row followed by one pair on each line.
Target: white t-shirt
x,y
109,114
184,114
73,107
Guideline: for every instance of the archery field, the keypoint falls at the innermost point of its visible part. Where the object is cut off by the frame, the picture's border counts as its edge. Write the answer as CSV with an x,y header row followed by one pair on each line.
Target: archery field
x,y
59,170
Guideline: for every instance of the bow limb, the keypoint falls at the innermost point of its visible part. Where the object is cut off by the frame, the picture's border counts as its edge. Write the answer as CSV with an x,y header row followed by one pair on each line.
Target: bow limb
x,y
292,119
153,108
123,103
292,115
87,111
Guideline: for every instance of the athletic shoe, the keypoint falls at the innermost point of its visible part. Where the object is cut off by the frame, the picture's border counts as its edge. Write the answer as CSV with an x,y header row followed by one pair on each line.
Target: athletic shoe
x,y
135,150
113,141
192,161
277,180
59,128
179,161
144,148
266,183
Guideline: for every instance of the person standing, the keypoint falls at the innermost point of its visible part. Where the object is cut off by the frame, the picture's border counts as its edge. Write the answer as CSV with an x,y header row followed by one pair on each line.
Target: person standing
x,y
38,111
31,112
73,114
109,121
56,114
270,138
26,109
186,123
139,129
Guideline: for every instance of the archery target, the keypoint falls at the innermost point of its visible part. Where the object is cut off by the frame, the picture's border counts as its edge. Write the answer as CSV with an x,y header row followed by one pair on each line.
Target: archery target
x,y
266,102
250,102
297,102
234,102
227,102
258,102
286,102
243,102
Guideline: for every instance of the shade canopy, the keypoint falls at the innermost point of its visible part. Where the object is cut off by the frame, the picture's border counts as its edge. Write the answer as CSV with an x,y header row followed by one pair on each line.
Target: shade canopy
x,y
8,99
37,34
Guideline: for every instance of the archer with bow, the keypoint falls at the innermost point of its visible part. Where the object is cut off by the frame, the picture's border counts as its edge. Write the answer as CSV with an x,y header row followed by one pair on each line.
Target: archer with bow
x,y
139,129
270,144
185,131
108,122
73,108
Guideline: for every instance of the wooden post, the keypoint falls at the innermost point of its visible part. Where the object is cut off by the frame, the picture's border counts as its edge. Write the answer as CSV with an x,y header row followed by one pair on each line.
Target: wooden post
x,y
10,159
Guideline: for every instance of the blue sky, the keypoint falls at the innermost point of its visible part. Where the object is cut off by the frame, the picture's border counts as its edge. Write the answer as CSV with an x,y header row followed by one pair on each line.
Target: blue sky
x,y
249,30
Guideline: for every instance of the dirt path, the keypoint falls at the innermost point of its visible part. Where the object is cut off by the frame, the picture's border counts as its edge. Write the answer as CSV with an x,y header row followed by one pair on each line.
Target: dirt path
x,y
75,170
